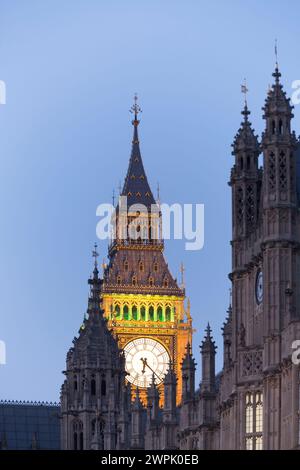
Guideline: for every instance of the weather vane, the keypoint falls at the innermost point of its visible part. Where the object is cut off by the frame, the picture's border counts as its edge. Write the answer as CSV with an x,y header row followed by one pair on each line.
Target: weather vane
x,y
95,254
135,108
244,90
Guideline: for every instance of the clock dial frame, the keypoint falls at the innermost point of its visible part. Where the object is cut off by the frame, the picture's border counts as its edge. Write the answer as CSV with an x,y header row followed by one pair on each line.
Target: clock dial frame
x,y
145,357
259,287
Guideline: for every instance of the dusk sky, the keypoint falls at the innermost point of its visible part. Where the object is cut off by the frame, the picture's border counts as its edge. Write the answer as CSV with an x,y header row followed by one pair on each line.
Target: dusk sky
x,y
71,69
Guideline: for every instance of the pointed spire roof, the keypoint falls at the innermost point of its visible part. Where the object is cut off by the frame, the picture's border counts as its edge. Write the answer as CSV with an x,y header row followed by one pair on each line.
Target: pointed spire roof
x,y
95,286
227,325
276,101
136,186
245,138
208,344
152,390
188,361
95,342
170,377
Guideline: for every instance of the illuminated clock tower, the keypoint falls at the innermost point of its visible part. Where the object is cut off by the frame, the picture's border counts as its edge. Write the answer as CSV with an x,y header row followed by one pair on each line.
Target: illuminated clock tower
x,y
142,301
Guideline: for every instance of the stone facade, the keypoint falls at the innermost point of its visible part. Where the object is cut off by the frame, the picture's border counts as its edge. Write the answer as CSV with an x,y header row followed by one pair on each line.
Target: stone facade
x,y
95,400
253,403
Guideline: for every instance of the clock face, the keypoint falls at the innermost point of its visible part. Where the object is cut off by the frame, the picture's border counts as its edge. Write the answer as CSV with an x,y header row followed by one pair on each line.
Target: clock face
x,y
259,287
143,358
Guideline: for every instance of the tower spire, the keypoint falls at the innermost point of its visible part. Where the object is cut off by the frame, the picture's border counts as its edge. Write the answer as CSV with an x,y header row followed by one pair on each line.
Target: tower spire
x,y
95,255
136,187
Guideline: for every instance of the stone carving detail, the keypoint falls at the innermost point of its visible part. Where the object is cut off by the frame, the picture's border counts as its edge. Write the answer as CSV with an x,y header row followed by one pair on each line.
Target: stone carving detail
x,y
252,363
272,172
250,206
240,209
282,171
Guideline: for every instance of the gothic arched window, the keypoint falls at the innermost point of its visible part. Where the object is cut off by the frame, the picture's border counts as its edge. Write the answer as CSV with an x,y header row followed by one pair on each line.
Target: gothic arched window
x,y
117,311
151,281
134,280
143,313
168,313
151,313
77,435
273,127
126,312
119,280
126,265
75,383
254,420
160,313
134,312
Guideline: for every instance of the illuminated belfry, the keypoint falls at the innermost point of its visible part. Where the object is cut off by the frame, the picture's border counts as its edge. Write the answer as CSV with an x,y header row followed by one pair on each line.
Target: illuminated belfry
x,y
142,301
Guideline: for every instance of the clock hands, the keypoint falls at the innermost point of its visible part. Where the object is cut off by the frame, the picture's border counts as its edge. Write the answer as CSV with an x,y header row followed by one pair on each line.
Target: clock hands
x,y
145,363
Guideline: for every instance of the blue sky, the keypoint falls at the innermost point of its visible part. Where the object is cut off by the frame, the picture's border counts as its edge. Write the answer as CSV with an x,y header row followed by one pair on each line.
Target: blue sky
x,y
71,69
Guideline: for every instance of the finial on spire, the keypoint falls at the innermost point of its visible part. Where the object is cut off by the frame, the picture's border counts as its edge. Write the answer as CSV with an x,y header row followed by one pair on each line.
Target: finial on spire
x,y
182,270
276,55
136,110
95,255
276,74
158,193
208,331
82,327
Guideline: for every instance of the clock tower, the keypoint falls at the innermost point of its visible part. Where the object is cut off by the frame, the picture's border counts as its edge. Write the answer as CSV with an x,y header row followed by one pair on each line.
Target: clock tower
x,y
143,303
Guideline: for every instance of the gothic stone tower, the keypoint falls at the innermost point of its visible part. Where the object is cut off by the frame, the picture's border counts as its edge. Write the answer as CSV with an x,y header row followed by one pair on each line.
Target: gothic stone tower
x,y
95,400
259,393
141,300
